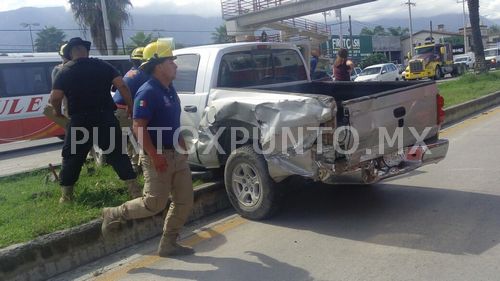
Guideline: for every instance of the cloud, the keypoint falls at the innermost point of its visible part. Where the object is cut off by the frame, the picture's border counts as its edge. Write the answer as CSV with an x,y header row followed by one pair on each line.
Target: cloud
x,y
211,8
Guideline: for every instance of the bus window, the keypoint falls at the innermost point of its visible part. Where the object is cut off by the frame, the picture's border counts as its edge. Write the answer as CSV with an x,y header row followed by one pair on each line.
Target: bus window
x,y
23,80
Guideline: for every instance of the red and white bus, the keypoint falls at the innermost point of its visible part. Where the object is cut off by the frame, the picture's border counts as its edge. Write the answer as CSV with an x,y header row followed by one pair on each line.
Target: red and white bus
x,y
25,84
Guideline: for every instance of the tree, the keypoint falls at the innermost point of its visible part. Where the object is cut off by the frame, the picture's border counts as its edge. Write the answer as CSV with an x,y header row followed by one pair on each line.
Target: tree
x,y
88,14
140,39
477,40
494,29
49,39
373,59
377,30
220,35
398,31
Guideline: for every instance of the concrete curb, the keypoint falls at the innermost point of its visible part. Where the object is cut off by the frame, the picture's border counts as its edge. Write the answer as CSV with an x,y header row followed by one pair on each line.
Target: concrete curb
x,y
458,112
64,250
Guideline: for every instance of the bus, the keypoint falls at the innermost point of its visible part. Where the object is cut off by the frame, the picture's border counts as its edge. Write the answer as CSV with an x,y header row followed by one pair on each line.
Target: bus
x,y
25,84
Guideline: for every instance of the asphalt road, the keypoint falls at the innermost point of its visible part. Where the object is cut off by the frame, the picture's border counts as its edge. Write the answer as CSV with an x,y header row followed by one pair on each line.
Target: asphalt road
x,y
441,223
25,156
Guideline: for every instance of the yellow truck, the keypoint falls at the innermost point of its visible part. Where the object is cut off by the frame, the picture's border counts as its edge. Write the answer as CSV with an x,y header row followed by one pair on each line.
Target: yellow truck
x,y
434,61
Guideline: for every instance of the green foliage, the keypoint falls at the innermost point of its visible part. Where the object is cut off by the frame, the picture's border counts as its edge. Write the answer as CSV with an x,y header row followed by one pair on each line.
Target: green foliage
x,y
49,39
373,59
140,39
494,29
29,204
469,86
398,31
88,14
220,35
381,31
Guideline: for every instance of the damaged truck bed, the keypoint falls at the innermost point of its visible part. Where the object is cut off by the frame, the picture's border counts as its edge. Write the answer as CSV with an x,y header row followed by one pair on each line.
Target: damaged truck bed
x,y
266,132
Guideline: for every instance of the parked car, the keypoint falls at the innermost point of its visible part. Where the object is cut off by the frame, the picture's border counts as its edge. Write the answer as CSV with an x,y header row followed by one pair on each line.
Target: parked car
x,y
355,73
379,72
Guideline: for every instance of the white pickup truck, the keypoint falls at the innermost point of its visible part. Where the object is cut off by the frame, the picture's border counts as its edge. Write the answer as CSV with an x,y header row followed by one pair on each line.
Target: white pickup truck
x,y
251,109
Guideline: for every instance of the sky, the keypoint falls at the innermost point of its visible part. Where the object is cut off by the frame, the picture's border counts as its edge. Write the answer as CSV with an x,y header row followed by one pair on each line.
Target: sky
x,y
365,12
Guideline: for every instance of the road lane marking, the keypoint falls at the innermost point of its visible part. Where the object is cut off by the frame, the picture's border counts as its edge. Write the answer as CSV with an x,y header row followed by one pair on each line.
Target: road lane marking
x,y
469,122
191,241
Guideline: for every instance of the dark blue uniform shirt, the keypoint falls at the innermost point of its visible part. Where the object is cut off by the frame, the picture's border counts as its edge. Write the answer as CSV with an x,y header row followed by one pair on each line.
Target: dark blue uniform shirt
x,y
134,78
161,107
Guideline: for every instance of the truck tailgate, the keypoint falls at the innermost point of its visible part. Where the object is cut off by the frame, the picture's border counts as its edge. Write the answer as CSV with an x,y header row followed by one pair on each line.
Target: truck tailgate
x,y
388,121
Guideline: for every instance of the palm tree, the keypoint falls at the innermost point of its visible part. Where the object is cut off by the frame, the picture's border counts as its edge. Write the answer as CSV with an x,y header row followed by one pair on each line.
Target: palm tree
x,y
220,35
140,39
49,39
88,14
476,35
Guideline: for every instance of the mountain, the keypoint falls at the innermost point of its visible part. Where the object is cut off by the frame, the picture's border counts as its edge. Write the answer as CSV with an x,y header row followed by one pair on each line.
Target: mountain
x,y
186,29
452,22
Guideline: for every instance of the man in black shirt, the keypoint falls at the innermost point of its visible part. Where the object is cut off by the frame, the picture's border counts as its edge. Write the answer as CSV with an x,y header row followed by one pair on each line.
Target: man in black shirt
x,y
86,84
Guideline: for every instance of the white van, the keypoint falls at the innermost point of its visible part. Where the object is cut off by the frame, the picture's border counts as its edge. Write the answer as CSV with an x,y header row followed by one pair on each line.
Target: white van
x,y
492,56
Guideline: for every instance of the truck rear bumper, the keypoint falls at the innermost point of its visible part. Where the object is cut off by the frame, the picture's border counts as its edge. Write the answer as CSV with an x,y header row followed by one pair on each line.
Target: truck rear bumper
x,y
416,157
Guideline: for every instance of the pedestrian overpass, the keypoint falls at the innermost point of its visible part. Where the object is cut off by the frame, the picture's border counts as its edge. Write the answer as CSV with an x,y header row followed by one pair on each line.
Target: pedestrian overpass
x,y
243,17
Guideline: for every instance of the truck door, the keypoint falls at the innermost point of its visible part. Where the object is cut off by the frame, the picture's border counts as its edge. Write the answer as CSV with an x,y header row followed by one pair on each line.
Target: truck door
x,y
189,85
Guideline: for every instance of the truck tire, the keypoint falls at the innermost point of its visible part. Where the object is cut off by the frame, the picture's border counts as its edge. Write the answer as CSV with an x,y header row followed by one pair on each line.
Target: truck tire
x,y
438,73
249,187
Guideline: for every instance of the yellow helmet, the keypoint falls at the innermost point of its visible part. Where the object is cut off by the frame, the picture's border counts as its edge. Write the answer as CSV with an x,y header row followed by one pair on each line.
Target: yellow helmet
x,y
137,53
61,50
155,52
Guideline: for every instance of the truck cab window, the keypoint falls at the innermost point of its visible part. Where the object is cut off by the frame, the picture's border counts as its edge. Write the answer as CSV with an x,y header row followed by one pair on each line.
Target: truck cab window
x,y
187,69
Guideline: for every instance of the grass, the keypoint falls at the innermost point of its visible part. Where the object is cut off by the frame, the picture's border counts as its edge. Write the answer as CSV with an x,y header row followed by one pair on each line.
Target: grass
x,y
29,202
469,87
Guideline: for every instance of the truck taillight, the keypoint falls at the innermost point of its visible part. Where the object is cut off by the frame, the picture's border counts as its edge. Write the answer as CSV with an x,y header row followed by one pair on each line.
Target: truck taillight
x,y
440,110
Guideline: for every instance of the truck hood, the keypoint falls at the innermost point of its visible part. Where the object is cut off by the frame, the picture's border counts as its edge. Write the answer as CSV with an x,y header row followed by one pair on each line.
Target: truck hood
x,y
425,57
371,77
275,115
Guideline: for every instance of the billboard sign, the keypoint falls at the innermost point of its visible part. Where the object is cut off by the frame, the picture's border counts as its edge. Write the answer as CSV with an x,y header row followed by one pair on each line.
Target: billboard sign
x,y
359,47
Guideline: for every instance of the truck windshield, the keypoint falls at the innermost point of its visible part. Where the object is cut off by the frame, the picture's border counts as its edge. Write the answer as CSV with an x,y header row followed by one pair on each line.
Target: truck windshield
x,y
424,50
371,71
491,52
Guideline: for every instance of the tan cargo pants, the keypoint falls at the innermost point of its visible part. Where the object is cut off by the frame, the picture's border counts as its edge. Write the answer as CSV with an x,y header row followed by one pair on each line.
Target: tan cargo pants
x,y
175,182
125,122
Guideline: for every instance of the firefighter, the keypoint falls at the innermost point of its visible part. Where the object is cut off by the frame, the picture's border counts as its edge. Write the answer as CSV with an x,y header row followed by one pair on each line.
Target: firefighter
x,y
134,79
166,171
86,82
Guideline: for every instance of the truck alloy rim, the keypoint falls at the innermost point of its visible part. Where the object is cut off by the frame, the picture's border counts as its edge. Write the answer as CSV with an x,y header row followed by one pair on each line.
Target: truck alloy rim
x,y
246,184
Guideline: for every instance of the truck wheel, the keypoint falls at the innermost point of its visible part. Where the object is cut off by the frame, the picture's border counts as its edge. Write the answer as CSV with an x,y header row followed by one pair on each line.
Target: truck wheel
x,y
249,187
438,73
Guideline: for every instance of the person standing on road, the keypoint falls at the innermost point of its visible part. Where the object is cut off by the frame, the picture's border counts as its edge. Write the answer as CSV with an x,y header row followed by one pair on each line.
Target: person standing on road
x,y
342,67
134,79
166,171
86,83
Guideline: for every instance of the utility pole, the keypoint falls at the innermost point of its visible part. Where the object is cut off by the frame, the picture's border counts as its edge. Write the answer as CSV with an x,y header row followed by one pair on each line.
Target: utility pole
x,y
409,3
432,39
340,28
107,29
327,30
350,37
29,25
465,25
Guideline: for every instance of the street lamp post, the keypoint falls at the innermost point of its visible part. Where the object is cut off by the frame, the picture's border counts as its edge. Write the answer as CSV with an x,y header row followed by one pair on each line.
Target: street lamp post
x,y
29,25
465,25
409,3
